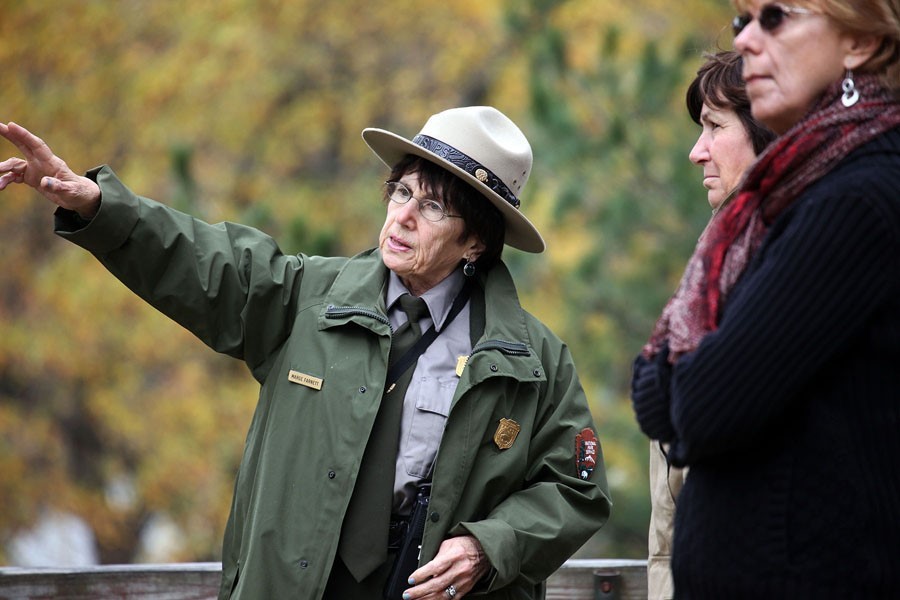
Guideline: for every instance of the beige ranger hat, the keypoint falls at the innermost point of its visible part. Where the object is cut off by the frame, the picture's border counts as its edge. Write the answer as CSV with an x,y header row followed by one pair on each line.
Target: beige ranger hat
x,y
481,146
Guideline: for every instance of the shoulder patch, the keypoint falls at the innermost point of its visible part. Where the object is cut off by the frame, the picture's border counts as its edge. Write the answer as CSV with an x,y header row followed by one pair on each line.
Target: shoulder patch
x,y
586,450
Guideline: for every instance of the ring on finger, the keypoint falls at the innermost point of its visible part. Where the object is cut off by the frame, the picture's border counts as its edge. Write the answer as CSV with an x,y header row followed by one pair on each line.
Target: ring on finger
x,y
450,591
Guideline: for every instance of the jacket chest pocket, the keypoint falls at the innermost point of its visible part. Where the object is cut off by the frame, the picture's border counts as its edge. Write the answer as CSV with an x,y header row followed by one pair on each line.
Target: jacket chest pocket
x,y
424,418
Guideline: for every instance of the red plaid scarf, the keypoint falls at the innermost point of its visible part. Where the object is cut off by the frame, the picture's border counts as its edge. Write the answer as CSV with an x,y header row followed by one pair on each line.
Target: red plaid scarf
x,y
794,161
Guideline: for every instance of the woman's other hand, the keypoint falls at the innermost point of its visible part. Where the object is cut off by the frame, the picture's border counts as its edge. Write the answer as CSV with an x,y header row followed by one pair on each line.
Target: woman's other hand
x,y
47,173
460,563
650,395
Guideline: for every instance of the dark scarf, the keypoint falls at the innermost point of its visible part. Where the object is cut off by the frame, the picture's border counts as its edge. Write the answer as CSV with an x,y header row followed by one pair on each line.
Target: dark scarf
x,y
794,161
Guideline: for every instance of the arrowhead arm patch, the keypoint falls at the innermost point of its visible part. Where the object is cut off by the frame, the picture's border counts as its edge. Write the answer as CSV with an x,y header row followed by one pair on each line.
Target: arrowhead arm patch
x,y
586,451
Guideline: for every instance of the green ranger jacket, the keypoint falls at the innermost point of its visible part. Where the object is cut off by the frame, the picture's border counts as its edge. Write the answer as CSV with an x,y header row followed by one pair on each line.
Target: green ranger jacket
x,y
315,334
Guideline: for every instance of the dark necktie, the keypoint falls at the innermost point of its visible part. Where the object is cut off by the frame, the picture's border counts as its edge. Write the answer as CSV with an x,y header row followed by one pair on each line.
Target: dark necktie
x,y
364,534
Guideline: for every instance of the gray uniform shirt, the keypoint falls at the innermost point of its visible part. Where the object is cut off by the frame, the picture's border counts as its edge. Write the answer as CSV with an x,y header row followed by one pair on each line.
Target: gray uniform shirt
x,y
432,386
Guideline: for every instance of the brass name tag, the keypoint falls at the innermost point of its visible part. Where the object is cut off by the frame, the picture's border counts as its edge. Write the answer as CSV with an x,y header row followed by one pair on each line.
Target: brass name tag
x,y
304,379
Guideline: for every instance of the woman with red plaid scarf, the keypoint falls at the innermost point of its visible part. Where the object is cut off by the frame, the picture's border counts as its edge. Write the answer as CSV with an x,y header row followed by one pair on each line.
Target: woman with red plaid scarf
x,y
772,371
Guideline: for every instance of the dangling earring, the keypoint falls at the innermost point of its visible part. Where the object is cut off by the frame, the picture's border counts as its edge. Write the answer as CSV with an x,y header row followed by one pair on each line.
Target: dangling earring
x,y
851,94
469,268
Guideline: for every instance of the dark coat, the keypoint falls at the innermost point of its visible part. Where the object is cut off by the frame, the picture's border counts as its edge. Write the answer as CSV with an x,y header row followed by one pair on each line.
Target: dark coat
x,y
789,413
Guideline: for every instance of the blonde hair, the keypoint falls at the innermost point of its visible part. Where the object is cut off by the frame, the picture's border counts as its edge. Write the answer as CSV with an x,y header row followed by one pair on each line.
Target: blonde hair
x,y
879,18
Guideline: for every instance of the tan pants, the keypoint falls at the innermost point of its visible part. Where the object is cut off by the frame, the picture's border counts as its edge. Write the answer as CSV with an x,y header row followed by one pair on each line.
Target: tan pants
x,y
665,485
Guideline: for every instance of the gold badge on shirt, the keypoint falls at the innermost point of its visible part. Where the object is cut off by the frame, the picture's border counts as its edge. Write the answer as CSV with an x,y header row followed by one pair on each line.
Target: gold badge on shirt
x,y
506,433
461,364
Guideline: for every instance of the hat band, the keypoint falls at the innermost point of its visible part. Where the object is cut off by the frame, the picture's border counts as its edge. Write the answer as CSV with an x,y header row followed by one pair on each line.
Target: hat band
x,y
469,165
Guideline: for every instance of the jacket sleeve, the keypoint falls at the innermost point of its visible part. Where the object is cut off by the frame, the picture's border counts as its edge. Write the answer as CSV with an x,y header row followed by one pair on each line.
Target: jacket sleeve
x,y
534,530
228,284
815,286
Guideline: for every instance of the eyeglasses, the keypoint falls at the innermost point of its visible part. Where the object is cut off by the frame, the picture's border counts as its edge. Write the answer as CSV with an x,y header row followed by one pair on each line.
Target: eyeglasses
x,y
430,209
771,16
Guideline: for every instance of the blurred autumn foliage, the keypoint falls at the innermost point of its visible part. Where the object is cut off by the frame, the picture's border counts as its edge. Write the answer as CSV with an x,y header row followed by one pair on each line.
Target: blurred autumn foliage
x,y
251,111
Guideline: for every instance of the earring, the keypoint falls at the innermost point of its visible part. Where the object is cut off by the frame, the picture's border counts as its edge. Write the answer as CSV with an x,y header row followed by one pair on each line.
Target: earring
x,y
469,268
851,94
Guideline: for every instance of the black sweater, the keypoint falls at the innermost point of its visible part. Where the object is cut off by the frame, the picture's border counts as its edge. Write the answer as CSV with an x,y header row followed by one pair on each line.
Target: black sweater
x,y
789,413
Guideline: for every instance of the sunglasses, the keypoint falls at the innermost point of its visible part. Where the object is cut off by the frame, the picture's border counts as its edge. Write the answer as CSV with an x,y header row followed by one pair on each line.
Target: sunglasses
x,y
771,16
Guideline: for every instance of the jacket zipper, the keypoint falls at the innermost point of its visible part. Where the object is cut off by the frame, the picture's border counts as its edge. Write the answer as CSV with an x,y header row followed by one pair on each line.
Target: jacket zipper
x,y
510,348
338,312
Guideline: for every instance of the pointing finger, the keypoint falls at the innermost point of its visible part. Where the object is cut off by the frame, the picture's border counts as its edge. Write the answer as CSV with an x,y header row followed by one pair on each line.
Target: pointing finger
x,y
29,144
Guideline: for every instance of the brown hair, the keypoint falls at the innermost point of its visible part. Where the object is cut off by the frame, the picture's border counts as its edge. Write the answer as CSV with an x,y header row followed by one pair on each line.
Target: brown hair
x,y
719,84
479,216
879,18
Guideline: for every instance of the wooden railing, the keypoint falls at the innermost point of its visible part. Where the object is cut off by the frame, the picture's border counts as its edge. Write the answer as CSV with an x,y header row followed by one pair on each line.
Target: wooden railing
x,y
576,580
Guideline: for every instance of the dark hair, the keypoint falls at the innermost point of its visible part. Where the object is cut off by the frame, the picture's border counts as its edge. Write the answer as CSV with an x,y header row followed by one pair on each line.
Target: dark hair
x,y
719,84
479,216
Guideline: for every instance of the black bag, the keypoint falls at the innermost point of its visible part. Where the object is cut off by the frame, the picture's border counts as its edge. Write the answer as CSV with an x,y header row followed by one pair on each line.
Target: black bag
x,y
407,559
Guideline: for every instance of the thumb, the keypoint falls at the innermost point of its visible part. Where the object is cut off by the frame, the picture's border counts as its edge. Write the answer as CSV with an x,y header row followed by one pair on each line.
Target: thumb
x,y
63,193
51,184
62,190
79,194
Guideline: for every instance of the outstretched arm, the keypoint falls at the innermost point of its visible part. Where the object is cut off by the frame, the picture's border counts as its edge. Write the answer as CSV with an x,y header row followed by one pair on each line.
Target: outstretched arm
x,y
47,173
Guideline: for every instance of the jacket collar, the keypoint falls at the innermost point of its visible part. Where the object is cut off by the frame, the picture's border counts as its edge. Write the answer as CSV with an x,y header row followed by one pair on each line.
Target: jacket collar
x,y
360,282
504,315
